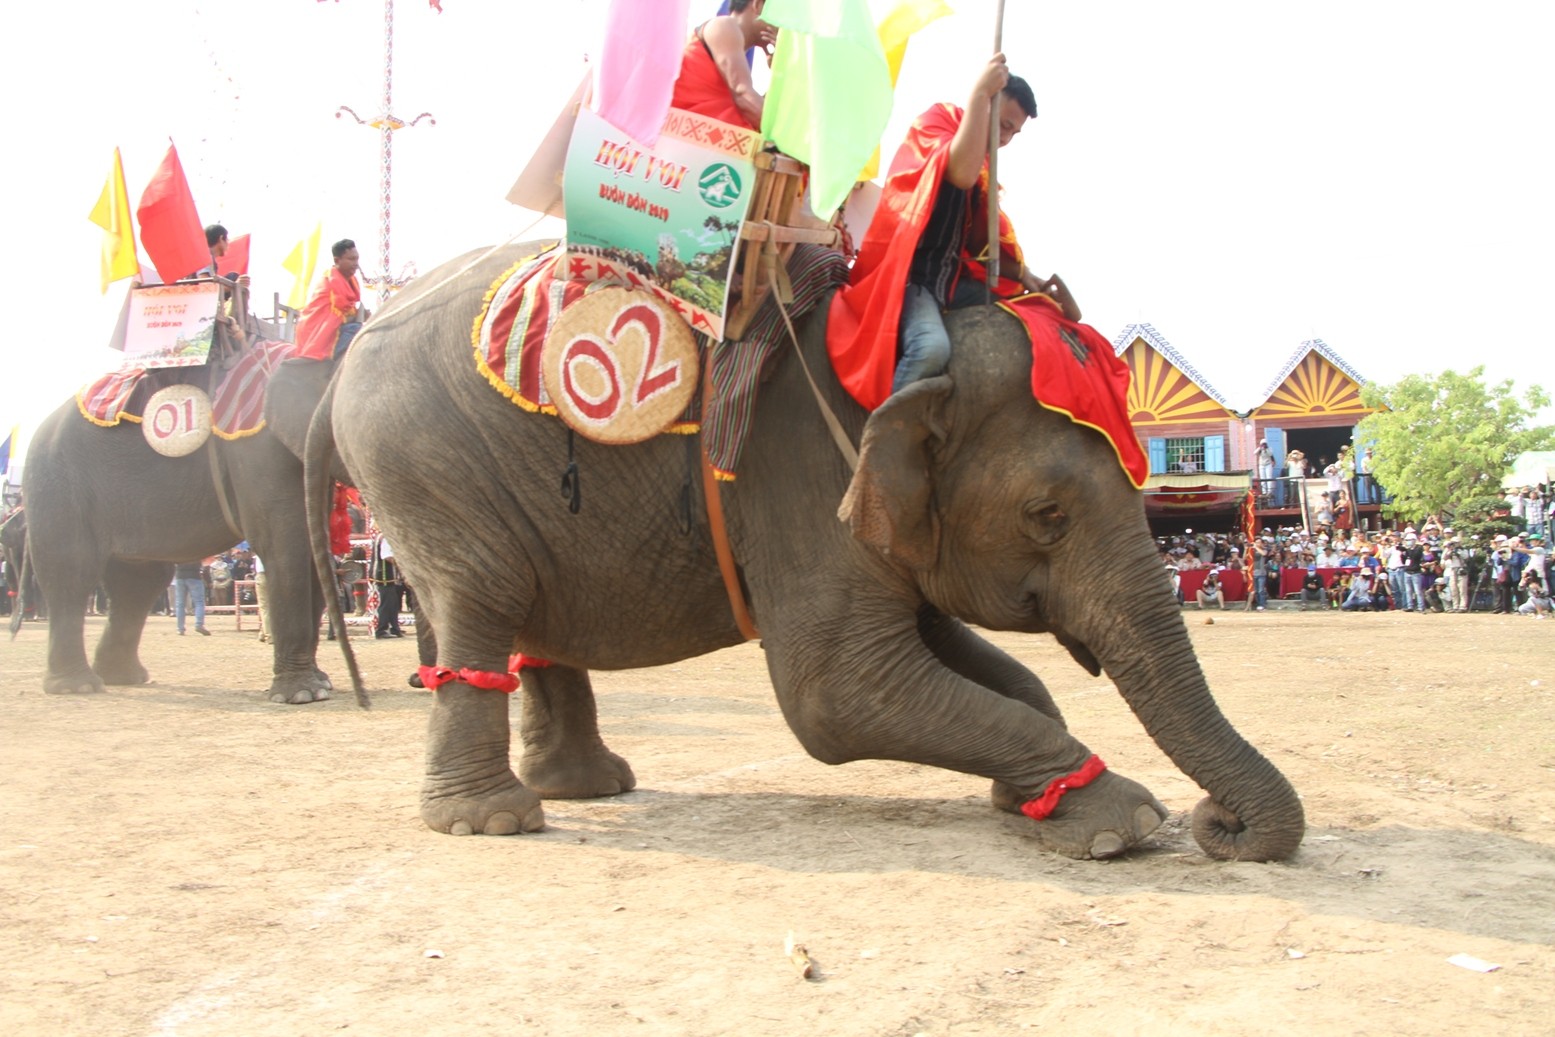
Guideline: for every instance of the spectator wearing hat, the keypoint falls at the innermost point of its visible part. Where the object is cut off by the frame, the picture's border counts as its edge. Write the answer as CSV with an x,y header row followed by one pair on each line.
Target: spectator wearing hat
x,y
1210,594
1334,473
1538,557
1360,597
1296,470
1502,579
1455,570
1267,483
1535,512
1537,591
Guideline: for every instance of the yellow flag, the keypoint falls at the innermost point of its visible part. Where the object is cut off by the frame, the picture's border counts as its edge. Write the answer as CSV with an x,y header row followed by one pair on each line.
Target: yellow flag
x,y
112,214
906,18
300,263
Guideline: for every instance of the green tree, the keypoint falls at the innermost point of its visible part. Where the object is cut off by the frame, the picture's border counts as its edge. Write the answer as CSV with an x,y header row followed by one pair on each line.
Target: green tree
x,y
1442,440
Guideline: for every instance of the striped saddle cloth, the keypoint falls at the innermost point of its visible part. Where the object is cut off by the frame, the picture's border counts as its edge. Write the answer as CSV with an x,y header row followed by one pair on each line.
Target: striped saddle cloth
x,y
524,302
237,407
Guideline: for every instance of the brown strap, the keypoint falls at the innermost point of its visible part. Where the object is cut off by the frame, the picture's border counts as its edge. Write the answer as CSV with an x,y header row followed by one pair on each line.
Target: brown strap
x,y
838,434
715,521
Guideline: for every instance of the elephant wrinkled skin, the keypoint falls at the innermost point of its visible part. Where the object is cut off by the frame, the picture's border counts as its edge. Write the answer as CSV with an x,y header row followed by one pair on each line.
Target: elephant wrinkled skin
x,y
104,508
971,504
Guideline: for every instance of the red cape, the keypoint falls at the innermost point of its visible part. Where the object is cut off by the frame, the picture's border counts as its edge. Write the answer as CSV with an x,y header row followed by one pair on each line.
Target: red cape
x,y
331,306
861,328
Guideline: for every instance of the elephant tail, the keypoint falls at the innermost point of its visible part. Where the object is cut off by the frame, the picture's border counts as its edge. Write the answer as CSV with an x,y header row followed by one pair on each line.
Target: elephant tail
x,y
318,465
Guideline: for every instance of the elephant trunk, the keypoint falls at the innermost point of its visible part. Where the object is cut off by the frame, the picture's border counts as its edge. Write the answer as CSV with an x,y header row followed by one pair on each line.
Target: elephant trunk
x,y
1252,812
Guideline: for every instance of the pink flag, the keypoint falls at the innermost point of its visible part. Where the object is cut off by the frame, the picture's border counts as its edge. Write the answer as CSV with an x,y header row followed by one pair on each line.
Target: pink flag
x,y
638,64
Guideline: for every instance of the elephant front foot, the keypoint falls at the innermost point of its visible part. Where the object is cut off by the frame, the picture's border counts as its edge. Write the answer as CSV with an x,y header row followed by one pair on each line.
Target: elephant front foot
x,y
124,673
299,691
84,682
1103,819
508,809
556,775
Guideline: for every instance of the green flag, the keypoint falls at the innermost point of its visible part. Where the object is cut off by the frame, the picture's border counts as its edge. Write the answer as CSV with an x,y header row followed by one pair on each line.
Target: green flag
x,y
830,95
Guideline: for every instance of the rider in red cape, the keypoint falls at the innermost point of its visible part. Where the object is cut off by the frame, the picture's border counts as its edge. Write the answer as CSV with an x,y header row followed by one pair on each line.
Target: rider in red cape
x,y
924,253
866,315
330,320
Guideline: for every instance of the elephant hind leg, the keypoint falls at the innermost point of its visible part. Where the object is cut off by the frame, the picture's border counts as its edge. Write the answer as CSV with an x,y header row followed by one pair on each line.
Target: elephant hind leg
x,y
564,755
132,589
470,789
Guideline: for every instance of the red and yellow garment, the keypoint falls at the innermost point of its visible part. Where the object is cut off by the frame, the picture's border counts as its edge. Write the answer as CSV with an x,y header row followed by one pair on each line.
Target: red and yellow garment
x,y
701,87
332,305
861,330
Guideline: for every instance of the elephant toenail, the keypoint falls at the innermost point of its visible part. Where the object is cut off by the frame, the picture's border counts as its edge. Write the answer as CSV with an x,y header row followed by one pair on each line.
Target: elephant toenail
x,y
1146,820
1107,844
502,823
461,827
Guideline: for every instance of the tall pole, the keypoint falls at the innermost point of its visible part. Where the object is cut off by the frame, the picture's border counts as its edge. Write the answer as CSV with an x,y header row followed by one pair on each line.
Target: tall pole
x,y
386,122
993,164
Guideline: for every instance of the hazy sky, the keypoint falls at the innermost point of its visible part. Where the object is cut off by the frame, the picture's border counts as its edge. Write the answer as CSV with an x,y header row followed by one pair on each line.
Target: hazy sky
x,y
1242,176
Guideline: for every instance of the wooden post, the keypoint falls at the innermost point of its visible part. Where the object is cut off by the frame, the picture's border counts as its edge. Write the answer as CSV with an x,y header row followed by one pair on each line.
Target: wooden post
x,y
993,164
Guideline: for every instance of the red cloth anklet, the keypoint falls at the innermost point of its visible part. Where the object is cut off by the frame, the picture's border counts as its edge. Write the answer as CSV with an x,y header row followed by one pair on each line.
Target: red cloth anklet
x,y
1039,808
521,661
433,677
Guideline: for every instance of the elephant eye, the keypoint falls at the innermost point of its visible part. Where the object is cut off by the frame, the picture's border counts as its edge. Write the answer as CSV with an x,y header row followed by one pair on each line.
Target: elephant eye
x,y
1046,522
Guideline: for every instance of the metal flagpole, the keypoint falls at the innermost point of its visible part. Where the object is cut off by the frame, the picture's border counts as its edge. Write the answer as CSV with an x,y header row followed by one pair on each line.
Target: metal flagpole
x,y
386,122
993,164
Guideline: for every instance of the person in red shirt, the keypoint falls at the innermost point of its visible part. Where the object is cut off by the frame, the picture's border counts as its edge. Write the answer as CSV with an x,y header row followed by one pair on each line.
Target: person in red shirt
x,y
715,79
334,315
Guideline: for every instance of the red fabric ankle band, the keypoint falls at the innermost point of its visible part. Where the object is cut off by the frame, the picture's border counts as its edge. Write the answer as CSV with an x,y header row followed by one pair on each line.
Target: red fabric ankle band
x,y
522,661
433,677
1045,804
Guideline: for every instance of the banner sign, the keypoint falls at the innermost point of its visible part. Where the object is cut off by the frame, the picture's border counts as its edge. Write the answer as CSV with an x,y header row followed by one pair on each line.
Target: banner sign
x,y
170,325
666,218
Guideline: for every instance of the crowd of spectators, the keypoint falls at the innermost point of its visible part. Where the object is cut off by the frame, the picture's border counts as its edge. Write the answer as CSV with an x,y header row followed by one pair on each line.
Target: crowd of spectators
x,y
1431,569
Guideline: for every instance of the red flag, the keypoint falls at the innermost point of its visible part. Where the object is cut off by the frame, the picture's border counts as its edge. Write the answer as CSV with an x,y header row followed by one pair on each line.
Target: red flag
x,y
437,5
236,260
170,229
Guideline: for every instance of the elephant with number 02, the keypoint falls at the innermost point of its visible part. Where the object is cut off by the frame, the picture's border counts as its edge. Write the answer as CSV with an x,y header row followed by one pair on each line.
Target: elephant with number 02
x,y
971,504
104,508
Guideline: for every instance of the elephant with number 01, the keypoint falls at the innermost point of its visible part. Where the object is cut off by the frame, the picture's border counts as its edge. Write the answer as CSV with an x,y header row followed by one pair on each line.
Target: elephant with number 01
x,y
104,508
970,503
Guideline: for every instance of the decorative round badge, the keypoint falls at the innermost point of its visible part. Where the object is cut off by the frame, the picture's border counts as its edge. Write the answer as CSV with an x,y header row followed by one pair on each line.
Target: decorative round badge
x,y
177,420
619,366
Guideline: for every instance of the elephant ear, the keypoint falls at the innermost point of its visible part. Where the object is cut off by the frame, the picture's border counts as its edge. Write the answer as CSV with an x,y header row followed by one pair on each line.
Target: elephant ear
x,y
890,502
291,397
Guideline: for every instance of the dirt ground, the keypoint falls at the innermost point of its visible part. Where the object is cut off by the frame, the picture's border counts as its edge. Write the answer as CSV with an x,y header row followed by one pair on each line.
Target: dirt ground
x,y
187,858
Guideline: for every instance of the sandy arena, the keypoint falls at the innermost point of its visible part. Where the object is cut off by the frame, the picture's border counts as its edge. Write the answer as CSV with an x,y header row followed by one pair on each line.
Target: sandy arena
x,y
187,858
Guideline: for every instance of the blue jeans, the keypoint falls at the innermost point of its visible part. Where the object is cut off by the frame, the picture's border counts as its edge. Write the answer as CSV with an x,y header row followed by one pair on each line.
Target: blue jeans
x,y
347,333
1397,581
195,591
1260,590
925,344
1411,601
